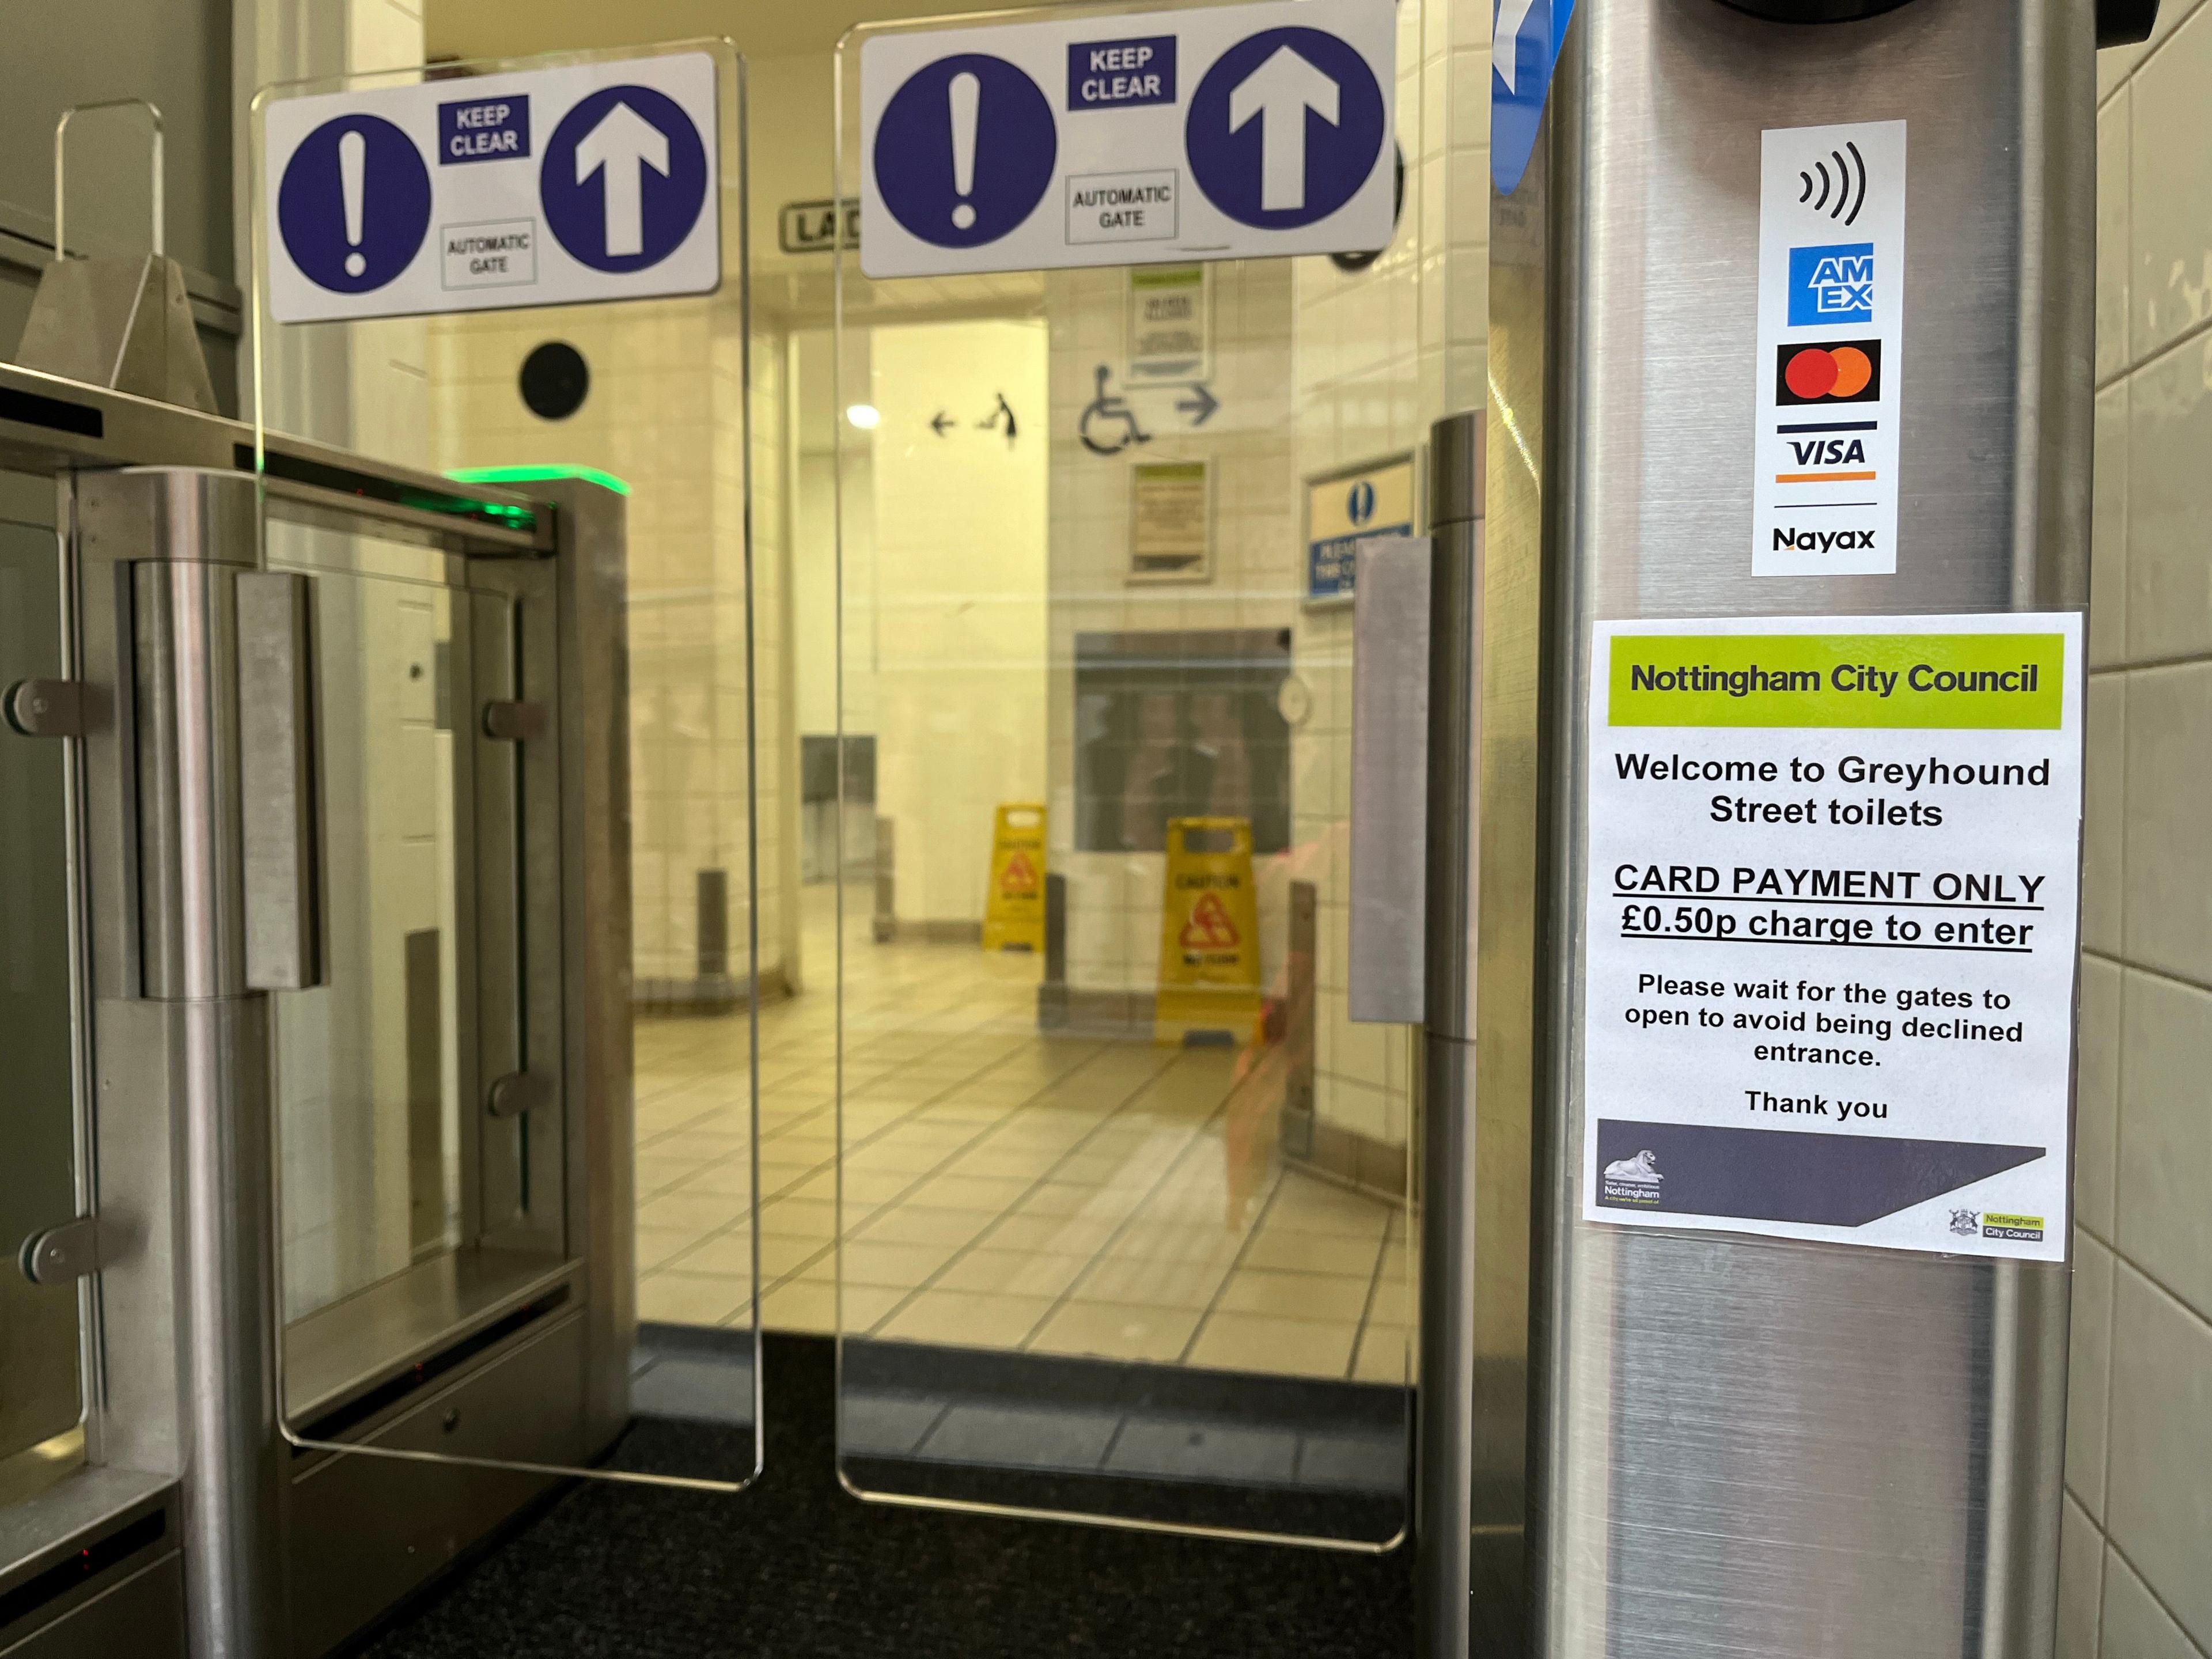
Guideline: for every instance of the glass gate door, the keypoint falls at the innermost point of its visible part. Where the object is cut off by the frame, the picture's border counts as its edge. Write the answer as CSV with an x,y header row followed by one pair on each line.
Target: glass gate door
x,y
515,1110
41,1397
1124,1192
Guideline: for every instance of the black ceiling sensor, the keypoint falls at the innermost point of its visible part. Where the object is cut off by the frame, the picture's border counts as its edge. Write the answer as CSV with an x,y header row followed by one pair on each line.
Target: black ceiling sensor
x,y
1815,11
556,381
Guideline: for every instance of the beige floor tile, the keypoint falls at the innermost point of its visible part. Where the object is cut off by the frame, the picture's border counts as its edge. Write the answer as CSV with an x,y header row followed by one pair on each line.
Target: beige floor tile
x,y
697,1212
656,1244
873,1186
1313,1253
1019,1273
861,1262
1322,1297
679,1298
1050,1235
1384,1355
731,1180
1113,1330
657,1173
800,1305
1309,1206
1153,1282
1147,1237
781,1255
800,1218
912,1224
1394,1301
1063,1198
967,1192
730,1252
1024,1164
1256,1342
864,1306
966,1319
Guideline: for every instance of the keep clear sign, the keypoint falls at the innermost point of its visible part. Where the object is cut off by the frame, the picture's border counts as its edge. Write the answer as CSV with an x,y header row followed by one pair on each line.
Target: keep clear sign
x,y
590,181
1834,866
1221,132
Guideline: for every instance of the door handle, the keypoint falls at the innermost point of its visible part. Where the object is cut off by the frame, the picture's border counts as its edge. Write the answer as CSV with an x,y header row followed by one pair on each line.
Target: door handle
x,y
1386,977
280,822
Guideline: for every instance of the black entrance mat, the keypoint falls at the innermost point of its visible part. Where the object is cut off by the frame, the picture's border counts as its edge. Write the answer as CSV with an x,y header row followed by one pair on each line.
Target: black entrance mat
x,y
795,1569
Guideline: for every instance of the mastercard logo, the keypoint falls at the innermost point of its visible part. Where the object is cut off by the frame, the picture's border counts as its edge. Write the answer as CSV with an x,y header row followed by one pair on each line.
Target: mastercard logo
x,y
1831,372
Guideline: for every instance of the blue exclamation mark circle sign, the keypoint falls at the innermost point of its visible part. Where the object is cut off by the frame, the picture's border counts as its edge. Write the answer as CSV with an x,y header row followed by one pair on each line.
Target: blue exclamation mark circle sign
x,y
354,204
964,151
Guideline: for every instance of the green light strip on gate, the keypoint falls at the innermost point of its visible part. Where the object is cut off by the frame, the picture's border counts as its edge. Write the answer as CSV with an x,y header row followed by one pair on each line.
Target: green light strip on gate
x,y
504,475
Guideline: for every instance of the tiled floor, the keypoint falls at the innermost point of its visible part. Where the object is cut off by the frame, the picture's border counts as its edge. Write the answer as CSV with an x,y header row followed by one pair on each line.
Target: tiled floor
x,y
1002,1189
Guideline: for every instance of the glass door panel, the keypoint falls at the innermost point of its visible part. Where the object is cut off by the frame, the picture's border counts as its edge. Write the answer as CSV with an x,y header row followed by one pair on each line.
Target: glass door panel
x,y
460,1187
1124,1199
41,1362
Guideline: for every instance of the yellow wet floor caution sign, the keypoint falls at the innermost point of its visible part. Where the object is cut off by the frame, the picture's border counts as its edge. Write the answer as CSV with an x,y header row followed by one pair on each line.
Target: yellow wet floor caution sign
x,y
1013,915
1209,934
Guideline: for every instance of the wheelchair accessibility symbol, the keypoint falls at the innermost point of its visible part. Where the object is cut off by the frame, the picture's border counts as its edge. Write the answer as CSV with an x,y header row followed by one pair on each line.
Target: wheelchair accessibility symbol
x,y
1109,425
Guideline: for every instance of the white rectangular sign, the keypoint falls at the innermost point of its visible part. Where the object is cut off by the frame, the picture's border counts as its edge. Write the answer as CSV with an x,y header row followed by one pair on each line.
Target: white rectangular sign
x,y
591,181
1833,879
1227,132
1831,367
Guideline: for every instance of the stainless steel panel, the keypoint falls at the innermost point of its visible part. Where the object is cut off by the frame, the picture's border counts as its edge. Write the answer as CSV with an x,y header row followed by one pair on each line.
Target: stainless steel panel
x,y
141,1615
280,832
1386,976
593,575
366,1531
1748,1447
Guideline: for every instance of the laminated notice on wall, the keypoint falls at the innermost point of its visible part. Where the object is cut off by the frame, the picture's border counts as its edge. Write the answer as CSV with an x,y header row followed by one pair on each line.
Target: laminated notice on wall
x,y
1834,870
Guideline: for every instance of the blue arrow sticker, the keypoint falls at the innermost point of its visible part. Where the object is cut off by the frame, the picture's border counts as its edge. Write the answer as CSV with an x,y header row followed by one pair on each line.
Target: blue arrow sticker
x,y
1525,39
624,178
1285,128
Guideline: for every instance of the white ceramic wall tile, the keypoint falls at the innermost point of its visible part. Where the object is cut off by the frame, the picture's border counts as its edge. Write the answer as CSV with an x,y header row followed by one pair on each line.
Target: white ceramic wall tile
x,y
2165,1164
2171,189
2135,1626
2169,506
2080,1583
2158,1502
2108,532
2088,1373
2096,1117
2168,859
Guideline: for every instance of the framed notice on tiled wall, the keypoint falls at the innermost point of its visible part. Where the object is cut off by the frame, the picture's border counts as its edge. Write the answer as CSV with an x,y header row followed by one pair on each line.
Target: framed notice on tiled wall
x,y
1171,522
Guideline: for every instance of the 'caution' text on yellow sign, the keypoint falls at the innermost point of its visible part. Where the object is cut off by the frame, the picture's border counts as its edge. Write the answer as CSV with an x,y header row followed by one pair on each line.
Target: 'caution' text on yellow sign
x,y
1209,933
1014,915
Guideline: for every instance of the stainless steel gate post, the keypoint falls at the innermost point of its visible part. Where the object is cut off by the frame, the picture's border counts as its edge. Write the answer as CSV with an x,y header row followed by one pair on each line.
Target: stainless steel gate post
x,y
1748,1445
180,1041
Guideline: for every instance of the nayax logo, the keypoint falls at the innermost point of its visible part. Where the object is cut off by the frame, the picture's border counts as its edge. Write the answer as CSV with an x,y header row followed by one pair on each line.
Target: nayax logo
x,y
1833,284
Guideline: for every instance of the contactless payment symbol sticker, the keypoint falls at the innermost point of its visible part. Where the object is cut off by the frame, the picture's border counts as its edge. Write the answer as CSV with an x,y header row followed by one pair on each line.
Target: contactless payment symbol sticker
x,y
1829,374
591,181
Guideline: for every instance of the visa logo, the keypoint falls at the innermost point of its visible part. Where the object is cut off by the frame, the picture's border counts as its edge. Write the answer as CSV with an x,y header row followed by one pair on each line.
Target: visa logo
x,y
1827,451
